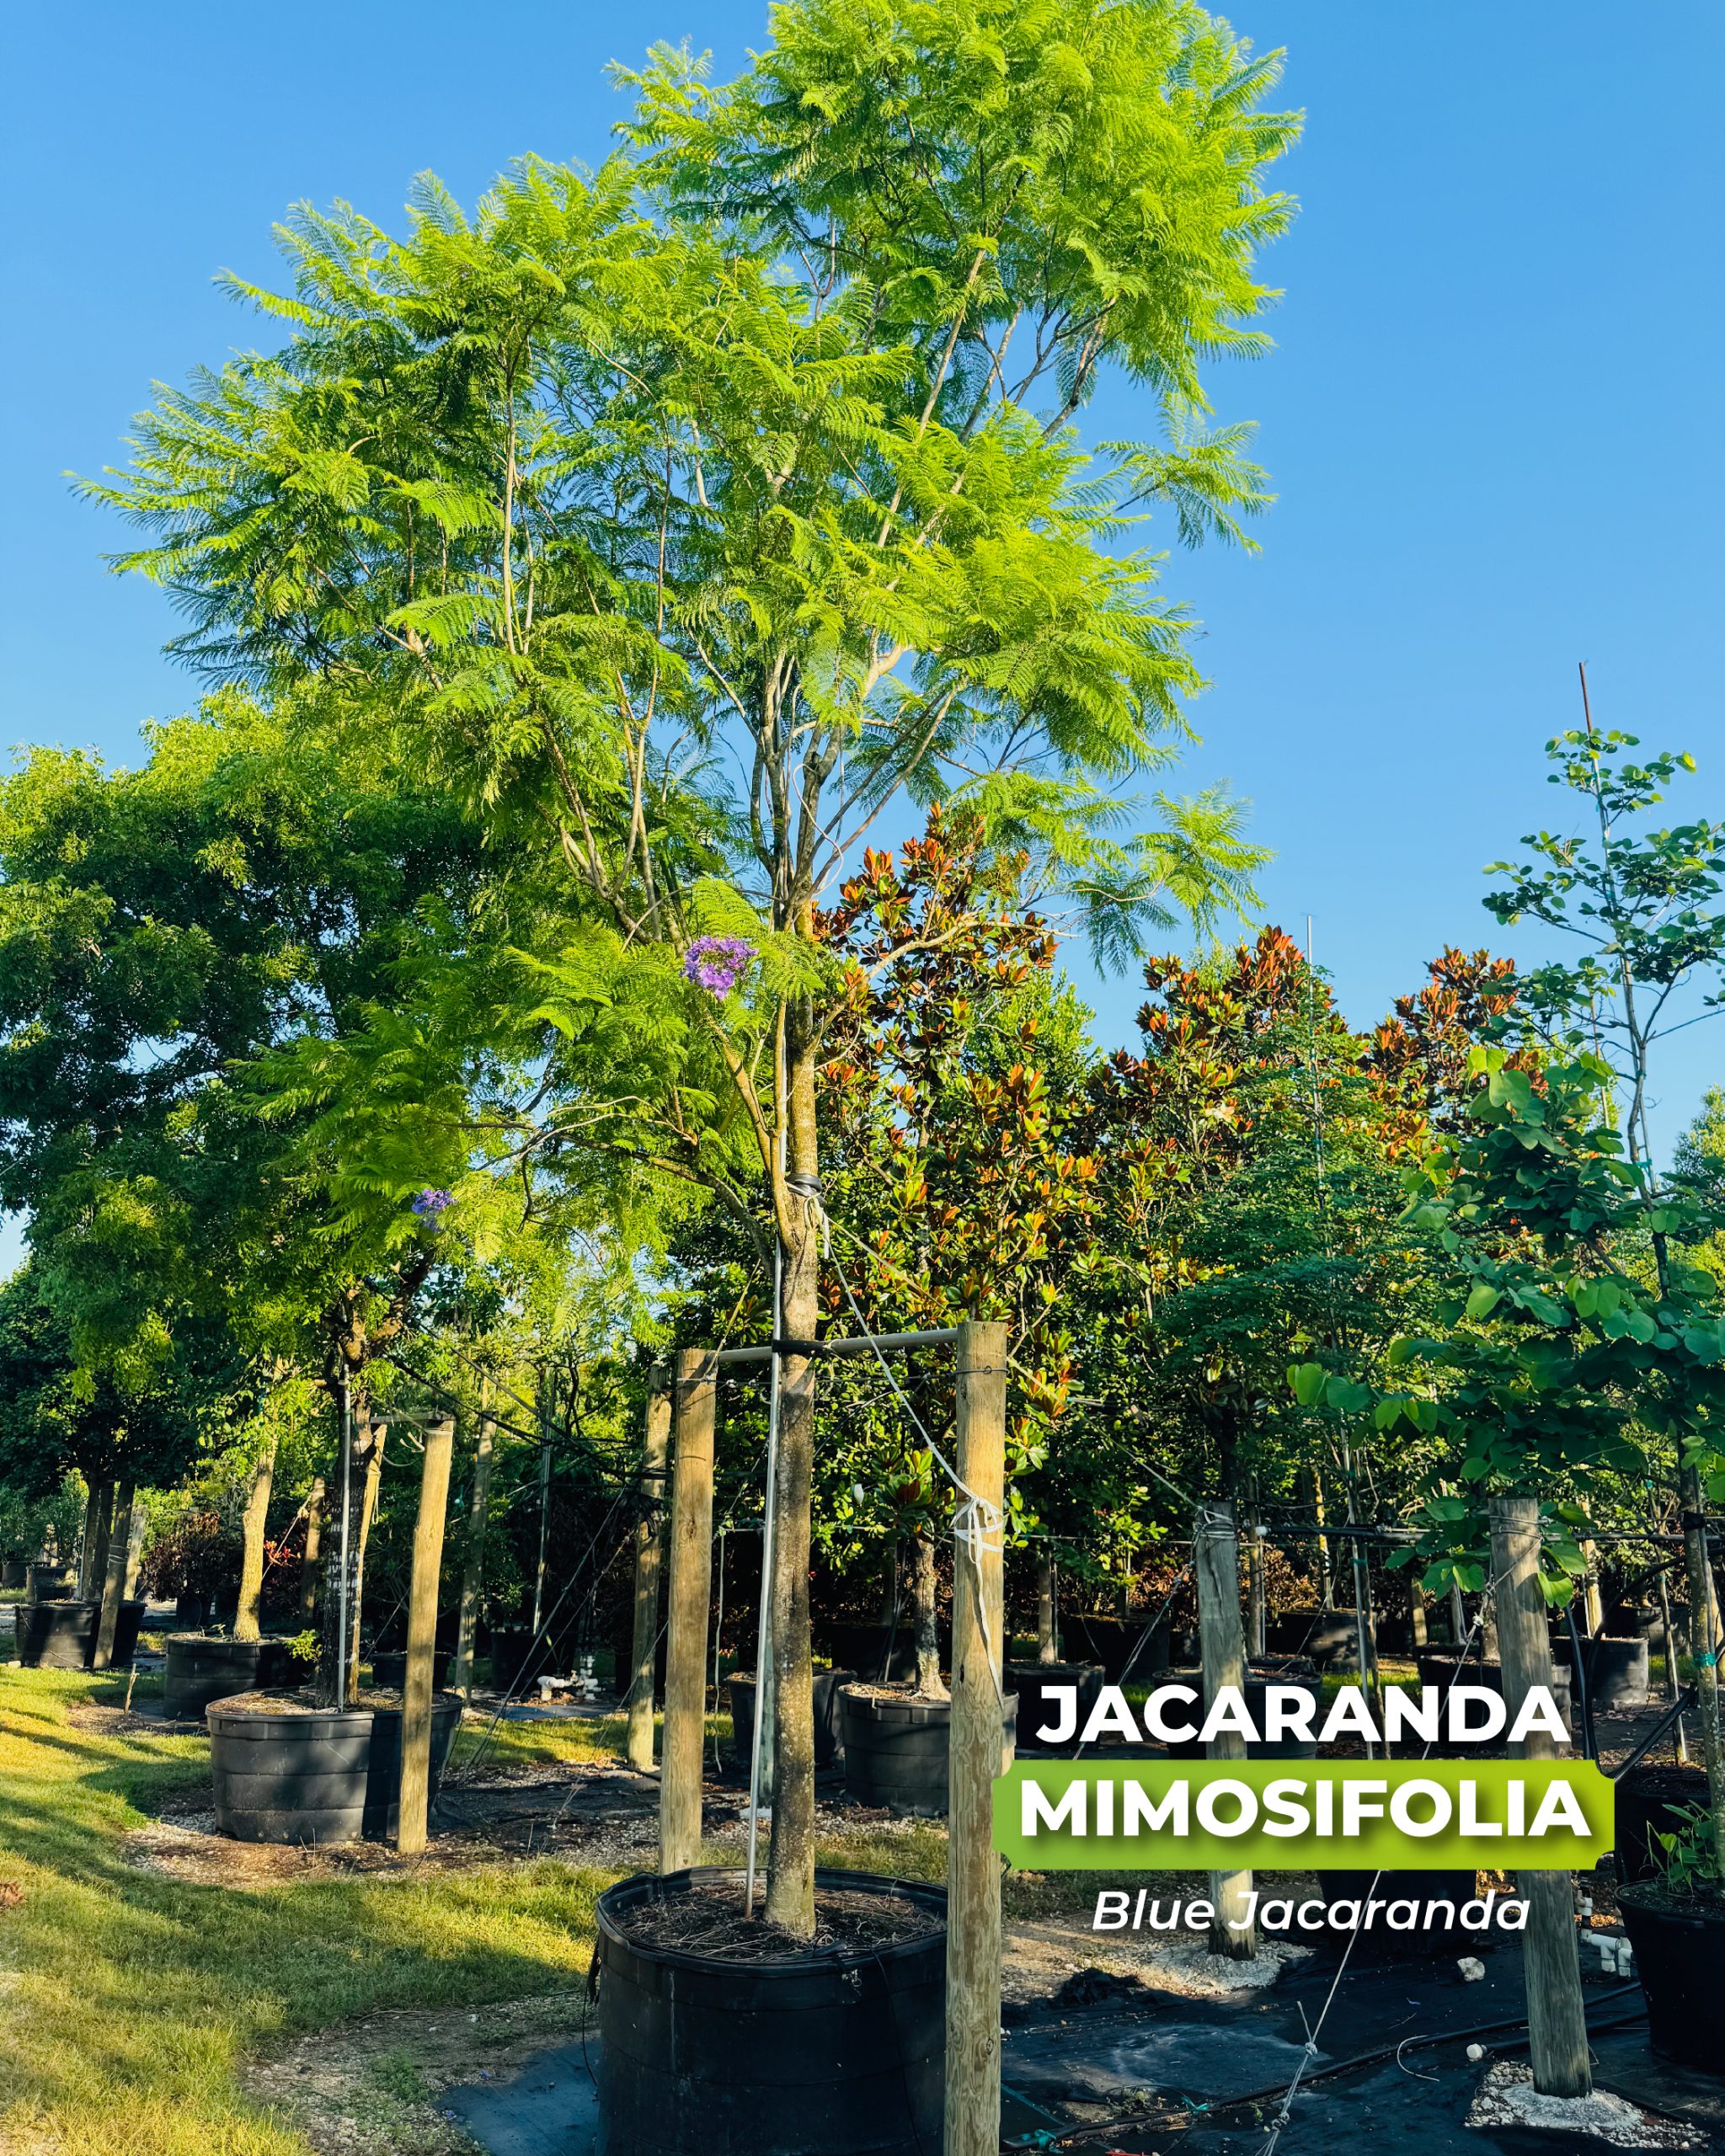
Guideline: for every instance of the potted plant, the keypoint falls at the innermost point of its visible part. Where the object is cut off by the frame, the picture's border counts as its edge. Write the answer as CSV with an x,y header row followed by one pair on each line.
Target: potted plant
x,y
1676,1924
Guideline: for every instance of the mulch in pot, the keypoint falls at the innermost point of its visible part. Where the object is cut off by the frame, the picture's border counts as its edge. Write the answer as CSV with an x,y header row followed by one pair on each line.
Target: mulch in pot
x,y
708,1920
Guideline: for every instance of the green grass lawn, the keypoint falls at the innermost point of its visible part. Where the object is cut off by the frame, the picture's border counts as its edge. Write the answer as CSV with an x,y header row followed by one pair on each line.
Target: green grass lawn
x,y
128,1999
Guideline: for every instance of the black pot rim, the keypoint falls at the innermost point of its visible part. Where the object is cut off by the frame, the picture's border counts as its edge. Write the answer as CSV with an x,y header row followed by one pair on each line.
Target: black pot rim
x,y
249,1715
646,1885
1652,1896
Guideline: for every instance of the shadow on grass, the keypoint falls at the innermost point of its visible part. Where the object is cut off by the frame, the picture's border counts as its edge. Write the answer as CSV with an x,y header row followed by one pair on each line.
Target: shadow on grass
x,y
131,1996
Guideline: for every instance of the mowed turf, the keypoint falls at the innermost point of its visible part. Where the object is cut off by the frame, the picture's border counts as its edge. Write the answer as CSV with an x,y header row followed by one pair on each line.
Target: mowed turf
x,y
128,2001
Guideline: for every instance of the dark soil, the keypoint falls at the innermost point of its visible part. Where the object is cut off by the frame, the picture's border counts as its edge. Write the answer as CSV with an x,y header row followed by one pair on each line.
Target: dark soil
x,y
708,1920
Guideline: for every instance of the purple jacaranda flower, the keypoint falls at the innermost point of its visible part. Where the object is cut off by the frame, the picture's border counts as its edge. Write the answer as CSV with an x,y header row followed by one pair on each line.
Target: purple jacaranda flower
x,y
430,1204
717,962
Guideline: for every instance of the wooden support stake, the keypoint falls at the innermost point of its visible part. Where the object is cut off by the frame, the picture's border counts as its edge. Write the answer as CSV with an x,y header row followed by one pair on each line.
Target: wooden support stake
x,y
691,1600
977,1750
1222,1648
422,1639
649,1564
112,1587
1557,2025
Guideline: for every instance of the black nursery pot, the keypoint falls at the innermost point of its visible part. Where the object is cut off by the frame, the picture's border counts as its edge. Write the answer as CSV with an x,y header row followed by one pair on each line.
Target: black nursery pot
x,y
56,1635
1454,1889
15,1573
201,1669
840,2050
389,1670
382,1813
52,1583
896,1749
1029,1681
829,1739
1648,1801
1679,1950
1281,1748
1120,1644
1616,1671
299,1775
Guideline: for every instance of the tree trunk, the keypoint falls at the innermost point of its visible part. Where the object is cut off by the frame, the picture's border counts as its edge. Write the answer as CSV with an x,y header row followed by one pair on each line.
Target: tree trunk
x,y
86,1538
1257,1587
1704,1647
929,1685
134,1549
691,1607
114,1578
251,1563
650,1567
1047,1648
790,1870
368,1454
411,1818
331,1683
1416,1610
1458,1619
98,1529
308,1565
473,1557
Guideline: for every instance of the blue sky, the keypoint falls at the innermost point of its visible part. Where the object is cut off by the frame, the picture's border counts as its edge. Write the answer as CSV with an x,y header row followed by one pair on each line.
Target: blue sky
x,y
1492,418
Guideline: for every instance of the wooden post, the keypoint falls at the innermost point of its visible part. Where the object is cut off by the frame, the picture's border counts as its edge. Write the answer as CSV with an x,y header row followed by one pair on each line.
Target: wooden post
x,y
1593,1603
252,1537
422,1639
1222,1649
649,1564
308,1566
1556,2023
976,1753
1047,1648
461,1677
112,1586
690,1599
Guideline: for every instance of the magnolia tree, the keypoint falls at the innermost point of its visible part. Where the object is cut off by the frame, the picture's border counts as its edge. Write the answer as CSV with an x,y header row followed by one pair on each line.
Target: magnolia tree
x,y
689,512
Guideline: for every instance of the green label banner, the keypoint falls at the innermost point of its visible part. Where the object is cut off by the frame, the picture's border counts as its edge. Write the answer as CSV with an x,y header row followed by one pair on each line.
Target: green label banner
x,y
1295,1814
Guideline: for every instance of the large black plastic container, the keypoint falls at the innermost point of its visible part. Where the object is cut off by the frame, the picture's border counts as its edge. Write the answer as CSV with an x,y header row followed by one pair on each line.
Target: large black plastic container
x,y
1441,1671
829,1739
1679,1951
201,1669
55,1634
53,1582
1120,1644
1649,1800
1616,1671
297,1776
15,1574
1029,1680
519,1660
1281,1748
842,2051
389,1668
1376,1942
383,1782
863,1648
895,1749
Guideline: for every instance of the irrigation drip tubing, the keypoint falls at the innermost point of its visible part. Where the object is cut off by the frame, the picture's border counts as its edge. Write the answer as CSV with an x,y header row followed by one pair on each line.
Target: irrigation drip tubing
x,y
1376,2058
